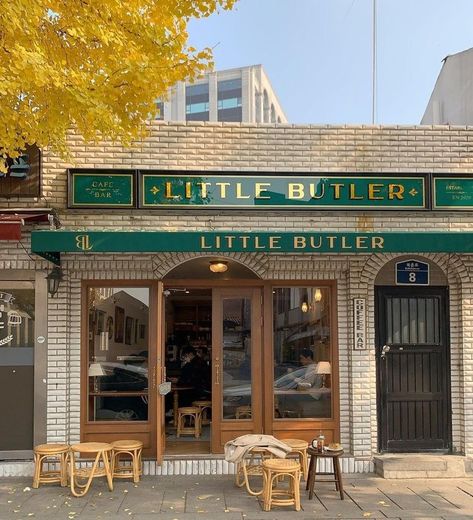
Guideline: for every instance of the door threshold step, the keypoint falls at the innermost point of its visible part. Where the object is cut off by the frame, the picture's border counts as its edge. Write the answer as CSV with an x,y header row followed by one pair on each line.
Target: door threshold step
x,y
416,465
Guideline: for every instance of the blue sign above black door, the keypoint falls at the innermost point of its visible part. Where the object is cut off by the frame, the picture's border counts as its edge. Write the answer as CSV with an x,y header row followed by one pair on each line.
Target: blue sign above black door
x,y
412,272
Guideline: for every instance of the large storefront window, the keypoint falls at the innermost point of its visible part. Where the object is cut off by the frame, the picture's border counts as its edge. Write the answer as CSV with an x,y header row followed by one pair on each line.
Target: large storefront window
x,y
302,353
118,332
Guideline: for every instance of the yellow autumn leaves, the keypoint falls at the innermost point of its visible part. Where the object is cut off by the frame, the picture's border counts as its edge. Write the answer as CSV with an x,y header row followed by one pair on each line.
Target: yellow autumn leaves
x,y
94,65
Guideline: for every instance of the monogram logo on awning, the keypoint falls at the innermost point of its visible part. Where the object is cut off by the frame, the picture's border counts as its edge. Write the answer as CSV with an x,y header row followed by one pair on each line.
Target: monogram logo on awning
x,y
83,242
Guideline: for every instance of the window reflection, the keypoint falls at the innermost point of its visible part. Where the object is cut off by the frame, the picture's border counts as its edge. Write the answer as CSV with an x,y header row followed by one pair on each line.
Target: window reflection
x,y
237,358
118,353
302,352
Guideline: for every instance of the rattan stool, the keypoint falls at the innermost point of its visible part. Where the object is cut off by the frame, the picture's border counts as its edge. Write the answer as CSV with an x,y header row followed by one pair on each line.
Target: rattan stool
x,y
133,449
204,406
243,412
299,449
194,415
103,451
275,470
50,451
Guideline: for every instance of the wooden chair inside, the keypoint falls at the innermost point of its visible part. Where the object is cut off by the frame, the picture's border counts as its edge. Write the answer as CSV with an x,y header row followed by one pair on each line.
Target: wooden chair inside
x,y
204,406
193,416
243,412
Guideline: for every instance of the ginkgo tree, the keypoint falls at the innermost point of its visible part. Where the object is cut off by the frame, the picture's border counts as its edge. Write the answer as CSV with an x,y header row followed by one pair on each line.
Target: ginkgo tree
x,y
97,66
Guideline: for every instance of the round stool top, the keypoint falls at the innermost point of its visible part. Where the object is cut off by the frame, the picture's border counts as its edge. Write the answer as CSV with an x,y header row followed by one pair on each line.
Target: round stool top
x,y
127,444
325,453
202,403
51,448
91,447
297,444
281,464
189,409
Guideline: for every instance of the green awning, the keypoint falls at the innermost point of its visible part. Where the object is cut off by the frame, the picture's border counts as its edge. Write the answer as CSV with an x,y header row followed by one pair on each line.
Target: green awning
x,y
50,244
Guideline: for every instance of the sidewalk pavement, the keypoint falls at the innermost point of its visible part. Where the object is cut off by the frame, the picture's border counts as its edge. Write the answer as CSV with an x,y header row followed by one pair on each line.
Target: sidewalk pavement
x,y
217,498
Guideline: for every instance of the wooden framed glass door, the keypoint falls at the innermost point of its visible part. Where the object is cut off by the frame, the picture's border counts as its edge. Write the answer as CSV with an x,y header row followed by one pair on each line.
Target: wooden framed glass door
x,y
236,364
120,362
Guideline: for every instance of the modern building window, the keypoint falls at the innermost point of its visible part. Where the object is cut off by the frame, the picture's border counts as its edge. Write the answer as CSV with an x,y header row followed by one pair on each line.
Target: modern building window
x,y
229,105
118,347
160,110
197,102
302,353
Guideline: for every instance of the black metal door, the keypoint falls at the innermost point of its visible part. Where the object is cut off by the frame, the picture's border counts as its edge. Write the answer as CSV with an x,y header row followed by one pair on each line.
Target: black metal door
x,y
413,361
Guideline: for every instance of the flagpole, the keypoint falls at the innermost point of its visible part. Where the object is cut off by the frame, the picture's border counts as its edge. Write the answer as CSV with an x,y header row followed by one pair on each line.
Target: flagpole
x,y
373,86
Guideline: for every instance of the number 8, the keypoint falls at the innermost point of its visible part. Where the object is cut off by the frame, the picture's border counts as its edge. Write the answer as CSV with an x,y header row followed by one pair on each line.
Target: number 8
x,y
412,277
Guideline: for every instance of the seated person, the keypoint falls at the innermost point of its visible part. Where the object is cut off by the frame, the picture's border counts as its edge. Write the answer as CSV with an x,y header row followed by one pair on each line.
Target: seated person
x,y
194,372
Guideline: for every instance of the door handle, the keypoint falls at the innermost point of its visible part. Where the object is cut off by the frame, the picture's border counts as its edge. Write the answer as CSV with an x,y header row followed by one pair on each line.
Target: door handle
x,y
384,351
217,371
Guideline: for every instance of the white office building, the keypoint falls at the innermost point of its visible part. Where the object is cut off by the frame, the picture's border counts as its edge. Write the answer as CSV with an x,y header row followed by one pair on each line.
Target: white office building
x,y
451,101
240,95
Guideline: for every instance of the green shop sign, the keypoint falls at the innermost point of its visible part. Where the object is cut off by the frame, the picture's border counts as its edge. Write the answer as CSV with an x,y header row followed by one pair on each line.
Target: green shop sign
x,y
50,244
453,193
285,191
101,189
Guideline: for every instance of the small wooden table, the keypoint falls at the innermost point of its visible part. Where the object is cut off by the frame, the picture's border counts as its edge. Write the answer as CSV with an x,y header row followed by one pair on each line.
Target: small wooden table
x,y
175,389
103,451
337,474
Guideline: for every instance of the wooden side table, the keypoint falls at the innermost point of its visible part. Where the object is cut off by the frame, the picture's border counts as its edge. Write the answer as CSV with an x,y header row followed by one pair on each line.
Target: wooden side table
x,y
337,474
103,451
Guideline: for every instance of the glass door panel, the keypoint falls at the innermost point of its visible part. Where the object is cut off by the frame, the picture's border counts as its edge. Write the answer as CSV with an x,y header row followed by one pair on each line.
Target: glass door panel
x,y
236,364
236,358
17,319
118,339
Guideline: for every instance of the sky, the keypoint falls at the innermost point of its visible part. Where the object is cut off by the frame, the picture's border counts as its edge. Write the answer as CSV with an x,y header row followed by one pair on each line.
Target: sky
x,y
318,53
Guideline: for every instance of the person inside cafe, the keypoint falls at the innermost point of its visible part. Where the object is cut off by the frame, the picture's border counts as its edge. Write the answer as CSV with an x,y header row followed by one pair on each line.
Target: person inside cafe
x,y
194,372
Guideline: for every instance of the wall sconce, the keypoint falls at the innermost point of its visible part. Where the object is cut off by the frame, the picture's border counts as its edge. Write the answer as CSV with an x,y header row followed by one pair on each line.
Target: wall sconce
x,y
317,295
304,306
218,266
54,279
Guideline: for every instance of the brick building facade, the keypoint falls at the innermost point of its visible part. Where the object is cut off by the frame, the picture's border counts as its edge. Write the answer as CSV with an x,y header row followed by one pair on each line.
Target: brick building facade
x,y
250,150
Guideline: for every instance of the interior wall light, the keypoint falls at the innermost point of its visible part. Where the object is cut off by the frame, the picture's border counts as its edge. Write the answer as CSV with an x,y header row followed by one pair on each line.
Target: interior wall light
x,y
317,295
304,306
218,266
54,279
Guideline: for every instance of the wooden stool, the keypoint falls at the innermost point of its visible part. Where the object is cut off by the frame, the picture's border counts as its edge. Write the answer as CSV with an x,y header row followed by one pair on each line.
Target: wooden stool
x,y
103,451
299,449
50,451
250,466
131,448
243,412
204,407
273,471
194,415
337,474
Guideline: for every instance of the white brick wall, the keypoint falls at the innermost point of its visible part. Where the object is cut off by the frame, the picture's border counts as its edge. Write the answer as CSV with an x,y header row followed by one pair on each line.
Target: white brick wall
x,y
283,148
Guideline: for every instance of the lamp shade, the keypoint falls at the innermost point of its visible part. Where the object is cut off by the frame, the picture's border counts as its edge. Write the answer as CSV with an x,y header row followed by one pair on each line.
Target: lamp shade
x,y
95,369
323,368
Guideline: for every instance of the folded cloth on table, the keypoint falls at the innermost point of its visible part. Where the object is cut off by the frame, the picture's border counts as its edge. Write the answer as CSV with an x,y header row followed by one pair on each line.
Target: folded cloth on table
x,y
236,450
